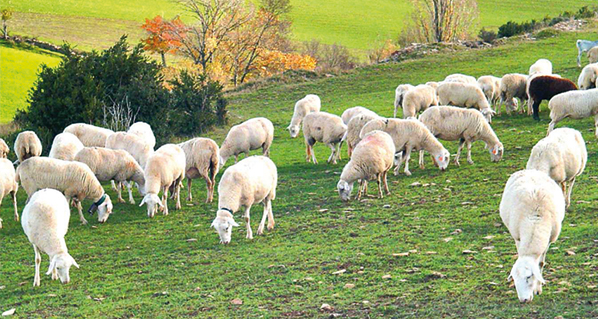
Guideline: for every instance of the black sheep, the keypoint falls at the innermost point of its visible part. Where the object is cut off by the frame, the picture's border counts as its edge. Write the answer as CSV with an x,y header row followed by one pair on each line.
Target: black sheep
x,y
544,87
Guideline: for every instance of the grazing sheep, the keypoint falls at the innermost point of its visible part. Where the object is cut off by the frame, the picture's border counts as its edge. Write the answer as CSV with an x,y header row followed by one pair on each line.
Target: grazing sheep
x,y
490,85
465,95
89,135
45,222
563,156
593,55
144,131
133,144
113,165
544,87
252,180
408,135
325,128
354,128
460,78
65,146
542,66
202,155
465,125
583,46
310,103
8,184
75,180
400,92
4,149
351,112
587,77
250,135
165,170
575,105
373,158
420,98
532,208
27,145
512,87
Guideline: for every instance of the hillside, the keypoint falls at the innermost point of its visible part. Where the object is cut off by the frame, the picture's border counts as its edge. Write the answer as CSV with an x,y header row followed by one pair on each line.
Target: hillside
x,y
173,266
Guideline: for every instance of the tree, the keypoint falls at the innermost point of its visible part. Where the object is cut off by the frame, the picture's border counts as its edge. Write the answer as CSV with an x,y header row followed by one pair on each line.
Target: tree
x,y
163,36
442,20
5,15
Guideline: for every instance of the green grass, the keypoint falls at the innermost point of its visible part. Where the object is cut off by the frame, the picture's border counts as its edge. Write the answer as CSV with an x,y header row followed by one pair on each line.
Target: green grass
x,y
134,266
18,72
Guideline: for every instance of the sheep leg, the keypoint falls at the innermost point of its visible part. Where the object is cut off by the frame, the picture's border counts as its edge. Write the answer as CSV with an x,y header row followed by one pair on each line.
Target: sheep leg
x,y
313,155
113,185
54,271
338,151
236,158
165,200
0,223
400,161
130,190
422,165
119,192
177,191
579,58
469,160
14,204
247,220
266,150
211,185
461,144
569,191
595,125
38,261
189,196
362,188
80,209
333,154
384,177
406,160
270,216
536,109
260,228
380,186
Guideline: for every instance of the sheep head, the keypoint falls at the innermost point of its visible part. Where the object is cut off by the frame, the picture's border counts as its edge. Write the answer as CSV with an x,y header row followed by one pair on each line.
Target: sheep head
x,y
104,208
293,130
528,279
152,201
496,152
61,264
344,190
442,160
224,223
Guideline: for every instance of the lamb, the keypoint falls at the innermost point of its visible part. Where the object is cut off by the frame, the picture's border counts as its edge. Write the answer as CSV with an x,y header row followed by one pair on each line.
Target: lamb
x,y
408,135
593,55
490,85
325,128
575,105
587,77
89,135
144,131
252,180
513,86
65,146
373,158
533,209
583,46
202,155
542,66
310,103
165,170
113,165
45,222
400,92
8,185
563,156
250,135
351,112
465,125
75,180
27,145
466,95
460,78
4,149
419,99
544,87
133,144
354,128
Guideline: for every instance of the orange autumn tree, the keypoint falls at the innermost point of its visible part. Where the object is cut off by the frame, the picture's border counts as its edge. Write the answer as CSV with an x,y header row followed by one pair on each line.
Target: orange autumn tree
x,y
163,35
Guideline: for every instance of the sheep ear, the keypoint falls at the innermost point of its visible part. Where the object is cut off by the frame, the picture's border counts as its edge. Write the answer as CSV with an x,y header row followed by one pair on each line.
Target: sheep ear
x,y
538,274
52,266
213,224
160,204
74,262
232,222
142,201
510,278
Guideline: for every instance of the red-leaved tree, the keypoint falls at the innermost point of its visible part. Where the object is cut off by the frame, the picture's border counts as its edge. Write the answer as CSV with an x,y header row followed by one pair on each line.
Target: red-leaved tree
x,y
163,35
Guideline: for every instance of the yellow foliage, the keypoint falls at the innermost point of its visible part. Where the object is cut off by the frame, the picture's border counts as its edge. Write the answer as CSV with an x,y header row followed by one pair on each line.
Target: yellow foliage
x,y
271,62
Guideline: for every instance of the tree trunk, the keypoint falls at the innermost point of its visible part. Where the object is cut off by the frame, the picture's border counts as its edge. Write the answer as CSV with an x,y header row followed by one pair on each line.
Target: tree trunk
x,y
163,59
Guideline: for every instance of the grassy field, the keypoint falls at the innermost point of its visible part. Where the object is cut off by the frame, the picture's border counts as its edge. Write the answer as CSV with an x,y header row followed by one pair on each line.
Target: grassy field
x,y
18,72
359,25
173,266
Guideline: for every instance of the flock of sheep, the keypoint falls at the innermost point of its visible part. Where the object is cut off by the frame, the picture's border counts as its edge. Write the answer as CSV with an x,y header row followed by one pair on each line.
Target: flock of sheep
x,y
458,108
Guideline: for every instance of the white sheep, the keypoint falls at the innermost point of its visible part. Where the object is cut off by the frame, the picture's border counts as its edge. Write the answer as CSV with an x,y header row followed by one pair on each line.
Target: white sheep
x,y
490,85
144,131
420,98
373,158
75,180
433,84
351,112
460,78
465,95
310,103
408,135
587,77
65,146
89,135
8,184
542,66
202,156
532,208
132,143
45,221
464,125
325,128
113,165
250,135
253,180
593,55
563,156
165,170
27,145
400,92
4,149
574,104
512,87
354,128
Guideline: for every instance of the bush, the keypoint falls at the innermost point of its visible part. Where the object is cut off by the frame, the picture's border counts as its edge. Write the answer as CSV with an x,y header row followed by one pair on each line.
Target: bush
x,y
585,13
511,28
487,36
547,33
332,57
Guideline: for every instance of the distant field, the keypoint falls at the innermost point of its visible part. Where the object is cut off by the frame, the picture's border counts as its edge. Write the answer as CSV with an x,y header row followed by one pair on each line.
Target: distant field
x,y
18,72
356,24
